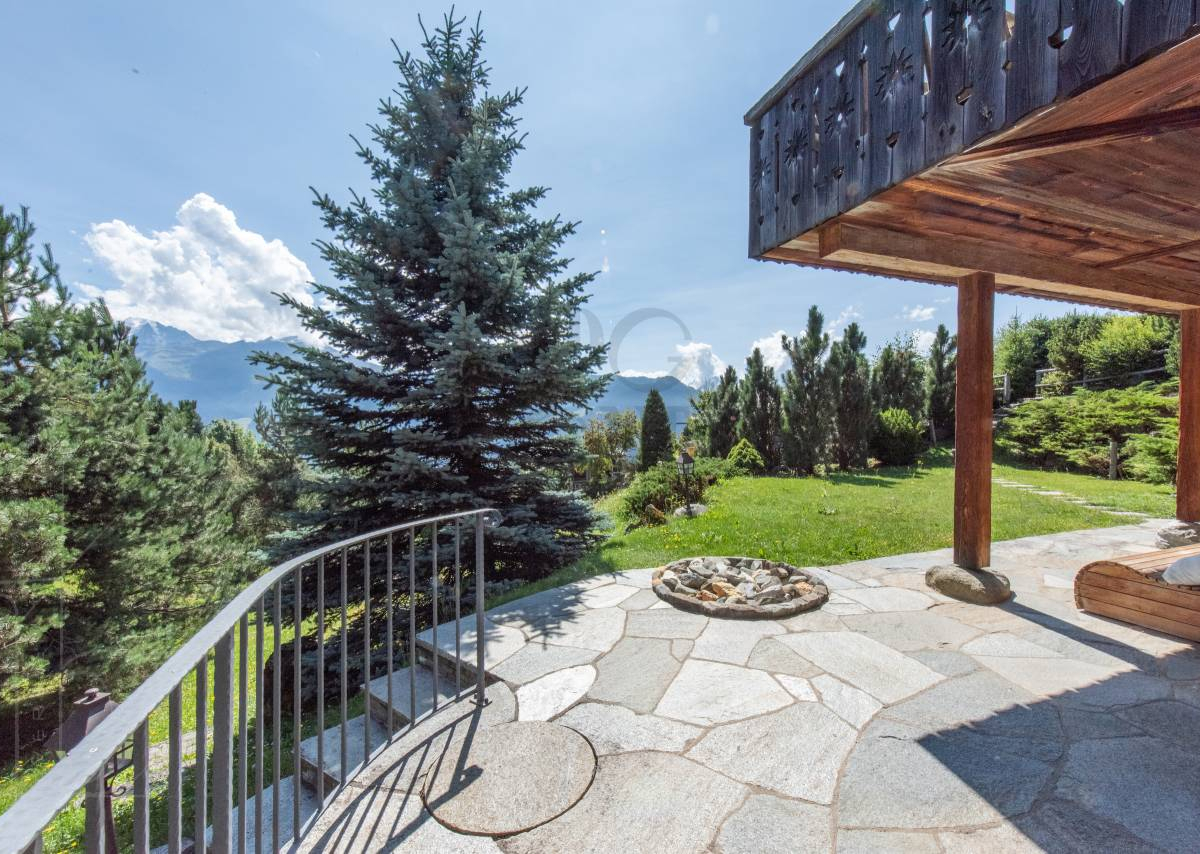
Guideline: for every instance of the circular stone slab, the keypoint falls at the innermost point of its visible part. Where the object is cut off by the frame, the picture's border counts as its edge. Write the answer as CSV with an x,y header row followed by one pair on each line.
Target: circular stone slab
x,y
714,604
510,778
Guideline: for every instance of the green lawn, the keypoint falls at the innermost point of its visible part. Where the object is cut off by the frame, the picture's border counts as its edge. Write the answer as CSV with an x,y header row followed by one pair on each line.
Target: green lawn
x,y
848,517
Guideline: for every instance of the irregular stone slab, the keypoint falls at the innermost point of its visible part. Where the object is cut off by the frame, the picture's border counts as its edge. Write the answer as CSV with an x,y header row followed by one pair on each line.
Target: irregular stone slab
x,y
530,610
608,596
639,802
796,752
665,622
833,580
499,642
681,649
615,729
633,577
708,692
910,631
732,641
1146,785
770,825
1079,724
544,698
888,598
797,687
1169,720
640,601
984,618
820,620
853,706
1002,839
984,702
535,660
1184,666
1078,682
1058,825
769,654
977,586
636,673
1005,645
879,841
946,662
1057,581
879,670
597,629
510,778
966,777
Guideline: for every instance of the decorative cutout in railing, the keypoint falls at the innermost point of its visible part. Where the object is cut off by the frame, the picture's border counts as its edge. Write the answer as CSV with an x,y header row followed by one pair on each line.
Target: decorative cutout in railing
x,y
240,819
905,84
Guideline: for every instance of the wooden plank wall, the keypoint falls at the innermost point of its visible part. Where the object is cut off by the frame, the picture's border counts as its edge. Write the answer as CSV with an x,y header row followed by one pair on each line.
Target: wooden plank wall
x,y
917,81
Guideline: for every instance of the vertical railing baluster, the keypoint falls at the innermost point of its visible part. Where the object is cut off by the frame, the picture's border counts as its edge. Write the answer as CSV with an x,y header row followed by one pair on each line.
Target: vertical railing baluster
x,y
366,650
223,745
479,602
433,552
297,645
277,712
342,676
175,771
200,804
391,641
260,725
412,627
457,608
243,726
94,824
141,789
321,680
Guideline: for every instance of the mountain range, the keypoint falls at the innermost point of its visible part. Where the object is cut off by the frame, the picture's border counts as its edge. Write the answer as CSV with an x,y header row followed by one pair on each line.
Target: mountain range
x,y
219,377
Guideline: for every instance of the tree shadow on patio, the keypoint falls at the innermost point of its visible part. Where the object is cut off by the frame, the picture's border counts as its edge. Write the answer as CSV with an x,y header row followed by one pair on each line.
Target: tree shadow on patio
x,y
1107,763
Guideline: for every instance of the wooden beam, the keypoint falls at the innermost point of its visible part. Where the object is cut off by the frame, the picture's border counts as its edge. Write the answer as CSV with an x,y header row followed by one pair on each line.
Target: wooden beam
x,y
973,422
1187,480
1150,255
955,257
1073,139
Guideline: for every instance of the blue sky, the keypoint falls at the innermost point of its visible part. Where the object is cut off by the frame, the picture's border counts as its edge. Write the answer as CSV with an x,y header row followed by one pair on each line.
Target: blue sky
x,y
166,150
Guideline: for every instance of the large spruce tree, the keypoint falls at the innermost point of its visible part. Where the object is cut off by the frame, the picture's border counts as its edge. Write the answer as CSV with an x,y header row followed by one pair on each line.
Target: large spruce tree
x,y
852,393
943,359
449,371
808,416
759,419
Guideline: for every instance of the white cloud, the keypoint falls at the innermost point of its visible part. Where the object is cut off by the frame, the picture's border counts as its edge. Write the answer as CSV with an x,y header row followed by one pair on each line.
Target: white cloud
x,y
923,341
772,350
837,326
205,275
920,313
696,365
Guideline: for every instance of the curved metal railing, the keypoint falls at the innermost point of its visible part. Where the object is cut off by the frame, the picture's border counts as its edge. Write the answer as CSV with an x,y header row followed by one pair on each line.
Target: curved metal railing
x,y
89,765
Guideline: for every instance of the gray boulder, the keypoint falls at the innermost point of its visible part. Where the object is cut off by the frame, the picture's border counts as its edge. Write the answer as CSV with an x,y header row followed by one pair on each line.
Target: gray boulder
x,y
977,586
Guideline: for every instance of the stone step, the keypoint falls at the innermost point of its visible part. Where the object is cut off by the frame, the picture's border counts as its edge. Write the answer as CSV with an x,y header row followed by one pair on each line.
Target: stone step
x,y
402,692
308,808
355,730
500,641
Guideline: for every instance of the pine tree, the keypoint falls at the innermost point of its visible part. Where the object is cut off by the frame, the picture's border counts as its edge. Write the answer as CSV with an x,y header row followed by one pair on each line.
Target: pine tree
x,y
759,419
808,417
655,446
714,423
942,361
449,373
852,381
898,378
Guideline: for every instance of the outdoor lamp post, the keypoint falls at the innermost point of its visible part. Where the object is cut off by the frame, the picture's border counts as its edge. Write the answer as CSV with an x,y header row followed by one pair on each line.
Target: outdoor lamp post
x,y
687,464
86,714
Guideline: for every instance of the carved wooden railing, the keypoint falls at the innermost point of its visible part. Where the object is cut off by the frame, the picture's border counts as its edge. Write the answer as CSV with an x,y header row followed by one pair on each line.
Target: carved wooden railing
x,y
900,85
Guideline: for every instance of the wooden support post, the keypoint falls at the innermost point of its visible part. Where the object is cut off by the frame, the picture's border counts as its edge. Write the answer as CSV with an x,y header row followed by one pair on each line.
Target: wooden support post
x,y
1187,481
973,422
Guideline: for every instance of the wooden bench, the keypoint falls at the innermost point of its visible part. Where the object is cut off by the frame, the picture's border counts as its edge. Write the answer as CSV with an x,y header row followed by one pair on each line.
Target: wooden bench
x,y
1131,589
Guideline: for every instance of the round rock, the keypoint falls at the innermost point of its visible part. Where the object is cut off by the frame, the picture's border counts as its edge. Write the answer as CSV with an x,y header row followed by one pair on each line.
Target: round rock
x,y
1179,534
510,778
977,586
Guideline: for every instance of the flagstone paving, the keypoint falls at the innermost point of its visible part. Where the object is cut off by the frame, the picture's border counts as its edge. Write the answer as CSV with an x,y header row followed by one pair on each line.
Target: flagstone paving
x,y
892,719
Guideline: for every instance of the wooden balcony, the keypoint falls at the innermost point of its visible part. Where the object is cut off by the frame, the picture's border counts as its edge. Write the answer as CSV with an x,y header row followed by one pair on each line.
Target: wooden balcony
x,y
1052,143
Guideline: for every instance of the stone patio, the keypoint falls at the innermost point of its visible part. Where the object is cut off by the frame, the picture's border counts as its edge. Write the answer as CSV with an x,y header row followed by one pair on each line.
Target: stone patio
x,y
892,719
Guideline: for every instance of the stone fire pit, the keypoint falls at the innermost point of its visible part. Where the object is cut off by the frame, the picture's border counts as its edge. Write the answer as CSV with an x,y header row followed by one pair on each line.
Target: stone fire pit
x,y
739,587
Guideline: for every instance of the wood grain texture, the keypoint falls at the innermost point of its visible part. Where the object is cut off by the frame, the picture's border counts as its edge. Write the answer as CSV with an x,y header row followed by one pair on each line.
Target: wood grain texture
x,y
1187,480
1131,589
973,423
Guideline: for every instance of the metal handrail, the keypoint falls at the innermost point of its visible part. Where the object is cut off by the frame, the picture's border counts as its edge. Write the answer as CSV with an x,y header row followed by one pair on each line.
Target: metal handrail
x,y
22,824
